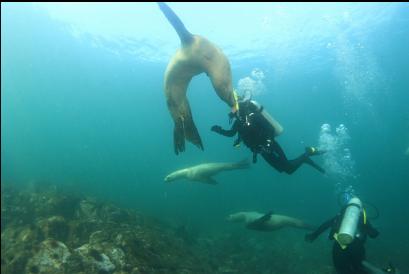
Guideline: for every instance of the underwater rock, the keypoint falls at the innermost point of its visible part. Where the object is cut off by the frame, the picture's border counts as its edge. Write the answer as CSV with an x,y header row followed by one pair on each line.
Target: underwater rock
x,y
117,215
81,231
117,256
14,262
54,227
41,235
87,210
50,258
64,206
13,208
95,259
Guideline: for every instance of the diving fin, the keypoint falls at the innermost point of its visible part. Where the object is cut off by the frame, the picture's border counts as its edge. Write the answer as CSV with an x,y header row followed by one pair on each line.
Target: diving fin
x,y
314,165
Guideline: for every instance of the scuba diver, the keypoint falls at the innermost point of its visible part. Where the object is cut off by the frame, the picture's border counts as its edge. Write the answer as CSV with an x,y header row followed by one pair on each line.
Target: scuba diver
x,y
257,129
350,229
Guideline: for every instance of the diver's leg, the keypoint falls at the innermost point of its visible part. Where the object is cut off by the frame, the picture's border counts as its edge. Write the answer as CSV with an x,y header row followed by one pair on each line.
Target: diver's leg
x,y
275,156
289,166
293,165
272,160
340,260
357,255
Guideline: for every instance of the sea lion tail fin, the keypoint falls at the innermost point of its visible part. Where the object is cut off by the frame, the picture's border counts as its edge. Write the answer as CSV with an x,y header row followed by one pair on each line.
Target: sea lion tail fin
x,y
184,35
245,163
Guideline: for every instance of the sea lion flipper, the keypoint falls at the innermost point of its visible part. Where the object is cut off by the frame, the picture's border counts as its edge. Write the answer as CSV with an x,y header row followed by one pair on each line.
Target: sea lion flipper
x,y
260,221
211,181
179,136
265,217
185,128
207,180
191,133
184,35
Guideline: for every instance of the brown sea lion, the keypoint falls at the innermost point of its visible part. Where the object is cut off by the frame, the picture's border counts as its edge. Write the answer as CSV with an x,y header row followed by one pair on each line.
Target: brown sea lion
x,y
267,222
203,173
196,55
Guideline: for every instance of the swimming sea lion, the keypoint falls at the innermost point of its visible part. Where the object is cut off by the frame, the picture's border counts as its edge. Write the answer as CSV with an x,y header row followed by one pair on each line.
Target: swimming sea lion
x,y
196,55
204,172
267,222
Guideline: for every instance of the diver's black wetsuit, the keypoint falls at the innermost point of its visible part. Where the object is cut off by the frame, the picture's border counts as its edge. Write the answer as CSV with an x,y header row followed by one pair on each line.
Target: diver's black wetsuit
x,y
257,134
348,260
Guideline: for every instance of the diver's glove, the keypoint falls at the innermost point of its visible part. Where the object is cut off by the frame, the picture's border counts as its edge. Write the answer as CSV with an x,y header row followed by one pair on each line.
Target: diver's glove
x,y
232,116
216,128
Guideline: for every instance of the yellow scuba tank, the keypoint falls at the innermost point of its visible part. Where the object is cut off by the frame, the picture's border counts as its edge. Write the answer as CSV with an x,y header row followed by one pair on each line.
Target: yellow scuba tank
x,y
236,101
350,220
278,129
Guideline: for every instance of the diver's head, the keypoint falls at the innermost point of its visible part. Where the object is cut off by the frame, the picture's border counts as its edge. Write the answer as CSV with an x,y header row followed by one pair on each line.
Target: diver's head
x,y
246,107
241,112
346,197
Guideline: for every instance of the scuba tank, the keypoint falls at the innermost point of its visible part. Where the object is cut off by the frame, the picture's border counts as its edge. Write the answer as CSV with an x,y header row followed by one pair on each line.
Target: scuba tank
x,y
278,129
350,220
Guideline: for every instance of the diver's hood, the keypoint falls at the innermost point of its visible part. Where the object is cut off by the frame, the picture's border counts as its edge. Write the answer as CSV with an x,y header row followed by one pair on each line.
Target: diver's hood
x,y
248,106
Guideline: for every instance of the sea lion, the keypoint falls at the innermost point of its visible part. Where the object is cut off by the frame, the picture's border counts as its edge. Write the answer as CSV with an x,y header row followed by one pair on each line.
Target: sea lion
x,y
196,55
203,173
267,222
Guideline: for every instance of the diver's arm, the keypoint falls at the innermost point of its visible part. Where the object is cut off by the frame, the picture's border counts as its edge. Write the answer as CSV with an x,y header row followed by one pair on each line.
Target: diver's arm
x,y
370,230
237,141
313,235
228,133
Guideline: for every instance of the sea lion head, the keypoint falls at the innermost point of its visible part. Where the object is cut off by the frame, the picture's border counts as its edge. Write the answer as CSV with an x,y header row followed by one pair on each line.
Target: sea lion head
x,y
170,178
179,174
236,217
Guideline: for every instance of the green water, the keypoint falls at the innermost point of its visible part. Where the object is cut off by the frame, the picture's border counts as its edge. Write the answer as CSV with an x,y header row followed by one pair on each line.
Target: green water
x,y
82,104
